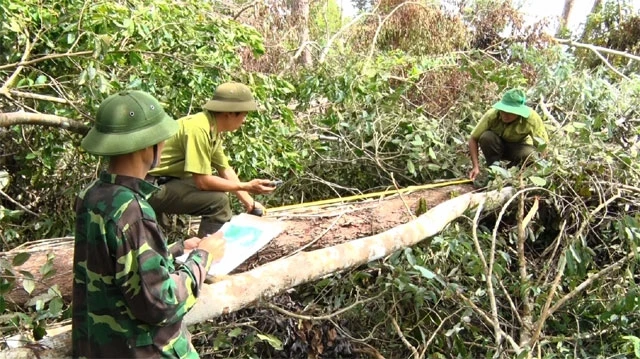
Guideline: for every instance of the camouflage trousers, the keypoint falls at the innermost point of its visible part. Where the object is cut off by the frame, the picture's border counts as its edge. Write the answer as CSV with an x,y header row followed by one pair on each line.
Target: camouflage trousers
x,y
181,196
496,149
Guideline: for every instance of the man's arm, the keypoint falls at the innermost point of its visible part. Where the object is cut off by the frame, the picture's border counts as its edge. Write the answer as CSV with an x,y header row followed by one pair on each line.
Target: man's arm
x,y
154,291
231,183
473,152
243,196
483,125
538,131
217,183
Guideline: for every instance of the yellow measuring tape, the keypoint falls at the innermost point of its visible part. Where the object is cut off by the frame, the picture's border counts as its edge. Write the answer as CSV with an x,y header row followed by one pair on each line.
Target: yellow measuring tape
x,y
368,195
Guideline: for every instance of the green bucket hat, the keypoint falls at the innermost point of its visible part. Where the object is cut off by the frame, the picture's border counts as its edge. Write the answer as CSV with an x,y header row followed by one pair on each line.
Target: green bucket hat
x,y
127,122
231,97
513,101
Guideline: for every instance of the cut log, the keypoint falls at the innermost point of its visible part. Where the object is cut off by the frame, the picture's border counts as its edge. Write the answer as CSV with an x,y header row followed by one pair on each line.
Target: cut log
x,y
241,290
309,228
59,252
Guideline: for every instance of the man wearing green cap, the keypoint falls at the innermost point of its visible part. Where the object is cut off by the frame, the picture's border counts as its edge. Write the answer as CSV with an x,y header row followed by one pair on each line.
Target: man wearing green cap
x,y
508,131
129,295
186,171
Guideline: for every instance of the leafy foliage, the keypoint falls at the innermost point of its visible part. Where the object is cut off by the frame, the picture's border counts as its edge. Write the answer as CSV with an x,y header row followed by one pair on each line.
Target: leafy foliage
x,y
615,26
395,111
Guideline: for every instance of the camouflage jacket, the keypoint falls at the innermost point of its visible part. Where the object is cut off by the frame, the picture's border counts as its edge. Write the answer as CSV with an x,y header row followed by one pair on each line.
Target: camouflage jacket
x,y
129,295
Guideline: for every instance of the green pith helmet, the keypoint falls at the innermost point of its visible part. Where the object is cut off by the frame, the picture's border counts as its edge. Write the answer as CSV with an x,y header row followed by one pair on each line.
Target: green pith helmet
x,y
127,122
231,97
513,101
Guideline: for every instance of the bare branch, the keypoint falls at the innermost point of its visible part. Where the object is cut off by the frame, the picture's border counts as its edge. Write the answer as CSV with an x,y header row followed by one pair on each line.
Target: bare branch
x,y
597,50
375,37
45,58
546,312
489,321
18,204
25,55
38,96
404,340
322,317
29,118
327,47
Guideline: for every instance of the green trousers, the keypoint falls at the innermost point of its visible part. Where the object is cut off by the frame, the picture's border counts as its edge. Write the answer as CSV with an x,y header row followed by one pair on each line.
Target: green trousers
x,y
181,196
496,149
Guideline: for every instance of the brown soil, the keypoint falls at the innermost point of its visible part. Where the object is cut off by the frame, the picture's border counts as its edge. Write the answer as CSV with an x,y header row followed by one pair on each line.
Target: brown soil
x,y
318,227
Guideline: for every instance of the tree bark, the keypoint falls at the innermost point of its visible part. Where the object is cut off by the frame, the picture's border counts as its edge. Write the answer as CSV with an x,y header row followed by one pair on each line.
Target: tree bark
x,y
300,12
28,118
238,291
566,14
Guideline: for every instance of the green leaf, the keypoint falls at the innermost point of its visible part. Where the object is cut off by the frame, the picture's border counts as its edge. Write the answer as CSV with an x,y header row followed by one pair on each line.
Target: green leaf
x,y
408,252
42,79
538,181
4,179
71,37
20,259
425,272
411,168
574,254
29,285
235,332
39,332
55,306
636,344
273,341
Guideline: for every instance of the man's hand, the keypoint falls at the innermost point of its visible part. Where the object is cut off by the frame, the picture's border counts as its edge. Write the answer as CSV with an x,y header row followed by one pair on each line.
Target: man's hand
x,y
256,207
214,245
260,186
191,243
474,173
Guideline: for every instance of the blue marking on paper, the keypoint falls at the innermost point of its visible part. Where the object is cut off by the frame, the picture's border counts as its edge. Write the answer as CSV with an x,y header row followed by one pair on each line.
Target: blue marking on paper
x,y
244,235
241,236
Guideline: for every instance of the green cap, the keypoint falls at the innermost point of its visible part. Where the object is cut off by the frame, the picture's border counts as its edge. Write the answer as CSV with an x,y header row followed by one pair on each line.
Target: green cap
x,y
513,101
231,97
127,122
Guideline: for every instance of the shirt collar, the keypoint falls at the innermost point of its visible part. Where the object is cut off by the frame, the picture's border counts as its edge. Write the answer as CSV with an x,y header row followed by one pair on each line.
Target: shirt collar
x,y
142,187
213,123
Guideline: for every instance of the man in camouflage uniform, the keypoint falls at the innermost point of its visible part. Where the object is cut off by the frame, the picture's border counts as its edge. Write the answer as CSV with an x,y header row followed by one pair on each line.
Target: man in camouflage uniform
x,y
187,182
508,131
129,295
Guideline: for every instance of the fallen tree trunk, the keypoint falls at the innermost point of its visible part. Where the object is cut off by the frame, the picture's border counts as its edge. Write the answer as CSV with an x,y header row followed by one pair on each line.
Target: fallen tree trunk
x,y
307,228
242,290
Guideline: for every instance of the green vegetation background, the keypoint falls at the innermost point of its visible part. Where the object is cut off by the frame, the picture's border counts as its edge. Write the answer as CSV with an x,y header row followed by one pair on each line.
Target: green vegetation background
x,y
391,94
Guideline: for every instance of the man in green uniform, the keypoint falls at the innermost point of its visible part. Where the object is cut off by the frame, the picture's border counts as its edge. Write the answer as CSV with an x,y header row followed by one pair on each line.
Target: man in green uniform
x,y
508,131
129,295
185,174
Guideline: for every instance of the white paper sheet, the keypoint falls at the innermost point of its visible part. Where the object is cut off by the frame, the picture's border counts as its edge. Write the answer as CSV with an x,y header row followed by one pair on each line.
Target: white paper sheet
x,y
245,235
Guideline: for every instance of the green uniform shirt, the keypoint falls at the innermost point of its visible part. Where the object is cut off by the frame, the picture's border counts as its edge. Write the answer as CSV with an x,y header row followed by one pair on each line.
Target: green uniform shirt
x,y
522,130
195,148
129,295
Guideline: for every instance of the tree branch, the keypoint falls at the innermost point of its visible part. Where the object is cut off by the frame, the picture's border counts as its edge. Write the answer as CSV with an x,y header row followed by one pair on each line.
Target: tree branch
x,y
25,55
322,317
36,96
404,340
45,58
28,118
597,50
327,47
18,204
546,312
